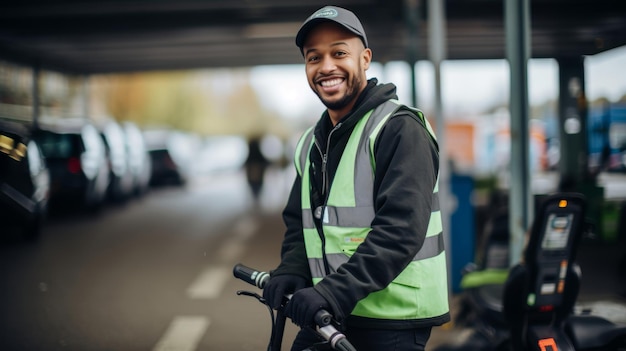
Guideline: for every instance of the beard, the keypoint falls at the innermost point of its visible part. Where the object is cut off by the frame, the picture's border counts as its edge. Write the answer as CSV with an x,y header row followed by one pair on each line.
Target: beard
x,y
351,94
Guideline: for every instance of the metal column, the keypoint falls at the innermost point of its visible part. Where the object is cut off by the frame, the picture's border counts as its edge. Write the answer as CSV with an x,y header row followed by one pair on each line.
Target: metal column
x,y
572,123
573,164
36,97
412,14
517,18
437,54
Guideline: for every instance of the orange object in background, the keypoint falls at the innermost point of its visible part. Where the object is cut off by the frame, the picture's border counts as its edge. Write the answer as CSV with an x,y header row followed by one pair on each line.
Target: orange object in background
x,y
460,142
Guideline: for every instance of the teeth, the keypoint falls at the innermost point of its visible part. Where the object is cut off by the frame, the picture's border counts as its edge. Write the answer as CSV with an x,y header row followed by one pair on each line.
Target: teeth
x,y
330,83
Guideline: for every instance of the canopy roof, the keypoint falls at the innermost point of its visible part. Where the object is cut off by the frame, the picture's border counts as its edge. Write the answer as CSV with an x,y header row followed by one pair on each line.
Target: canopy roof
x,y
99,36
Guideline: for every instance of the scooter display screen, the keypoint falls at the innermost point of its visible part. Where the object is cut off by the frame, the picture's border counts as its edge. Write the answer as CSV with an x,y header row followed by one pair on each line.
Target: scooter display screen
x,y
557,233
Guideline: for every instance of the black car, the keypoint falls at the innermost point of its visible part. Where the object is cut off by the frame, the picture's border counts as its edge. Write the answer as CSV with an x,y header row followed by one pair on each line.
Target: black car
x,y
169,155
24,182
77,160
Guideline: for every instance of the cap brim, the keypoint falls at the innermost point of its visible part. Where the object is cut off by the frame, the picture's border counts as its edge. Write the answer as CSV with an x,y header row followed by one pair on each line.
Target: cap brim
x,y
306,28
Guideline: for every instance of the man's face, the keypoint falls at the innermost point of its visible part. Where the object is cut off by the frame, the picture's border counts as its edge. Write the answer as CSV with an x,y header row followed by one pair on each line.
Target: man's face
x,y
336,61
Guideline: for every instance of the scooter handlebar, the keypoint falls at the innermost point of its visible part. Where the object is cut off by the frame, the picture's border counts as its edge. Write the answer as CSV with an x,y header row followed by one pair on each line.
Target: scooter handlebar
x,y
251,276
323,318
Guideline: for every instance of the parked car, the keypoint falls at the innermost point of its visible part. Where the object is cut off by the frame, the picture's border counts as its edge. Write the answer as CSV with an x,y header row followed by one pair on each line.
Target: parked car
x,y
169,154
76,158
24,182
121,178
139,161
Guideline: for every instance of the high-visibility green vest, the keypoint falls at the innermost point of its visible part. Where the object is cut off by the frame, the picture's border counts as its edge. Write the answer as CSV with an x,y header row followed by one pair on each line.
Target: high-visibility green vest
x,y
420,291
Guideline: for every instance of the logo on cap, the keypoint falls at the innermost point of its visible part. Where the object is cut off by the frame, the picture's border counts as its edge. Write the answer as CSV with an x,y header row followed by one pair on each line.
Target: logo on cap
x,y
325,13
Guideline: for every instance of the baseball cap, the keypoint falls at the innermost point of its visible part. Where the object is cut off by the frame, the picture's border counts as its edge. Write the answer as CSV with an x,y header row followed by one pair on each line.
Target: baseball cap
x,y
333,14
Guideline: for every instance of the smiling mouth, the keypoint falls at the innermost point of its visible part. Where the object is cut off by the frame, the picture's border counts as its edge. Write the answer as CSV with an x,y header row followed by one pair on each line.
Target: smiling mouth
x,y
331,82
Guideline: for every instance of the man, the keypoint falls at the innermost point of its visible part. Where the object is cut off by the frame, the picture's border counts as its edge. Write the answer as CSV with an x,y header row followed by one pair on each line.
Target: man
x,y
364,236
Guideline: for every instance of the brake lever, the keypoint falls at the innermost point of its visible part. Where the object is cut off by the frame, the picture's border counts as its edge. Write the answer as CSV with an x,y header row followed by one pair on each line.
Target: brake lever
x,y
253,294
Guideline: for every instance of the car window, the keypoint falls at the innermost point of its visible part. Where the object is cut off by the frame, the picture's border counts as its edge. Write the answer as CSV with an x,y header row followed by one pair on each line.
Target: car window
x,y
59,145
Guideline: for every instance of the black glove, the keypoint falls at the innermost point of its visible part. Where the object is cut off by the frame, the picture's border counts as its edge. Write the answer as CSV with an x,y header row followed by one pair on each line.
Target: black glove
x,y
303,306
279,286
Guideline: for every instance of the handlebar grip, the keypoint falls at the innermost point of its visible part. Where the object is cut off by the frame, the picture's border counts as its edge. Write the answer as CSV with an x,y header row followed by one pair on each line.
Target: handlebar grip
x,y
337,340
251,276
323,318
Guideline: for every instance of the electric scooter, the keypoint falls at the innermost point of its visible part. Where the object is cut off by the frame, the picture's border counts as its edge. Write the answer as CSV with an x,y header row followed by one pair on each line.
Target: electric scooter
x,y
531,305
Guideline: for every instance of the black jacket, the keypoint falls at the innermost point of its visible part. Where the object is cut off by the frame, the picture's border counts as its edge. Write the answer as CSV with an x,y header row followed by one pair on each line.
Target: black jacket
x,y
407,165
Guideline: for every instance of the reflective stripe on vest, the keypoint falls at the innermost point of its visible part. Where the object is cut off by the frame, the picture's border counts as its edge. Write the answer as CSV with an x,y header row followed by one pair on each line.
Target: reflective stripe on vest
x,y
420,291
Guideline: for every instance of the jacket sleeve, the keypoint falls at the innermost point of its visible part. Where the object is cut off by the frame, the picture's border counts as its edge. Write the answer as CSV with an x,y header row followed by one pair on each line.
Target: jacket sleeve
x,y
293,253
406,172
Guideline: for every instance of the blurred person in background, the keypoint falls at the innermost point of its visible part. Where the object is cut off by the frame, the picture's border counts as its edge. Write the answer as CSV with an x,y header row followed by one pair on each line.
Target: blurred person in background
x,y
256,164
364,237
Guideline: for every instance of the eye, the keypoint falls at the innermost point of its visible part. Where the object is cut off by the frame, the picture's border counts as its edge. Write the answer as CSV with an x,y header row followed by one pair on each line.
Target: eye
x,y
312,58
340,53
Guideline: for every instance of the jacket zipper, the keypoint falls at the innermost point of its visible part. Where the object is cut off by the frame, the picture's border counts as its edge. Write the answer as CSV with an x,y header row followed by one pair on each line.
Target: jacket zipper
x,y
325,191
325,180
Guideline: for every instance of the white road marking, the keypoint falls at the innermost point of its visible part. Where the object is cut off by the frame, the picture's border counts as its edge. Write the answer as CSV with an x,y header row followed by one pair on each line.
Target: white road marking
x,y
232,248
183,334
245,228
209,283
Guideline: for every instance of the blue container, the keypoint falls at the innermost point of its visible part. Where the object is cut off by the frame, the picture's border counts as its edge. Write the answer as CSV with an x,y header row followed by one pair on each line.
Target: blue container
x,y
462,228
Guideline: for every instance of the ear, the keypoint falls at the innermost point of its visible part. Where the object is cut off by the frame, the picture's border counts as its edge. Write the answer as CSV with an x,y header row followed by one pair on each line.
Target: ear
x,y
366,58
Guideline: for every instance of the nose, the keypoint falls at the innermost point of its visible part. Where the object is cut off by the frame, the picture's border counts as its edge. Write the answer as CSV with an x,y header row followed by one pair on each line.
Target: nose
x,y
328,65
